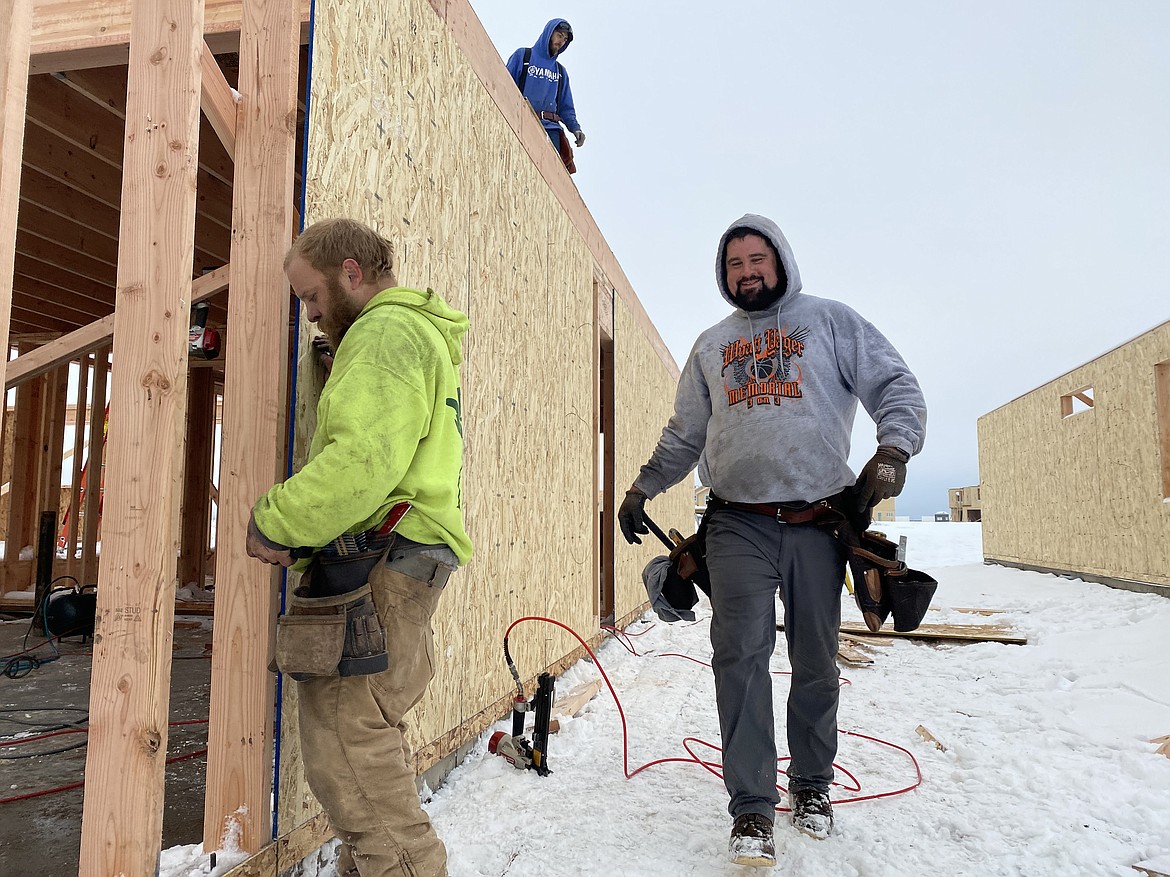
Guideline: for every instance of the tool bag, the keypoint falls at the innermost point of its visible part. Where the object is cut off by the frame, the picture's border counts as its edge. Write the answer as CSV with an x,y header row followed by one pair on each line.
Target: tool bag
x,y
686,569
885,586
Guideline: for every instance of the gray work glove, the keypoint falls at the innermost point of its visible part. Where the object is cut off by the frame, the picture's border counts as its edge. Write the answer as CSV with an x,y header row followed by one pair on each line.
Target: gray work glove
x,y
632,516
883,476
580,135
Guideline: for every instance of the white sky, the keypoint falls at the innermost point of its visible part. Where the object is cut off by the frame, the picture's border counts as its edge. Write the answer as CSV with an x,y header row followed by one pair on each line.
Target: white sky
x,y
1048,770
988,183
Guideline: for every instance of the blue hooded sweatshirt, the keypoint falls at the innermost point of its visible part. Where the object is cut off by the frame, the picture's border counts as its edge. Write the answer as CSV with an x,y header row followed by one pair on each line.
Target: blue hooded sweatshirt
x,y
766,400
545,74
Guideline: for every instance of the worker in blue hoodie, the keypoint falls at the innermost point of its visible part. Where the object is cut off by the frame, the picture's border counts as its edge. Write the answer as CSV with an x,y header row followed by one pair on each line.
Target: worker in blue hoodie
x,y
543,80
765,407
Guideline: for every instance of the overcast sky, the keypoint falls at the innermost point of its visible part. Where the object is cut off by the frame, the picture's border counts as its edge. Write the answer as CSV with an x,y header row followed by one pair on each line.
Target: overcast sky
x,y
988,183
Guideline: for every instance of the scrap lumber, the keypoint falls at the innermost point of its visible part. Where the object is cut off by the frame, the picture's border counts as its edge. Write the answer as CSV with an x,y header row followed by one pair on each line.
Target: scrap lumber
x,y
1164,748
1159,867
868,642
850,655
572,702
973,633
929,738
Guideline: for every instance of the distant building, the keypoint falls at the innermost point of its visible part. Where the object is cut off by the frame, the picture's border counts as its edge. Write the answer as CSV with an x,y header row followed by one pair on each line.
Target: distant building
x,y
1076,473
941,517
884,510
966,504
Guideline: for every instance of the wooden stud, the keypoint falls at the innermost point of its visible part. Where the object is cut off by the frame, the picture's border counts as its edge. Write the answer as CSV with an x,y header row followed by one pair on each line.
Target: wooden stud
x,y
95,479
22,481
239,764
15,40
121,828
80,410
219,104
196,508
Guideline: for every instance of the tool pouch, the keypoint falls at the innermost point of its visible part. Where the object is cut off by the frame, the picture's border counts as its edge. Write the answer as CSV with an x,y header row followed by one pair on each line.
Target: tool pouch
x,y
310,637
331,624
688,570
885,586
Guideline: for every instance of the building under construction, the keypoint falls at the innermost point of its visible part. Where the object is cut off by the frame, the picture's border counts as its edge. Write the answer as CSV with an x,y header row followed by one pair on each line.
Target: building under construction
x,y
163,153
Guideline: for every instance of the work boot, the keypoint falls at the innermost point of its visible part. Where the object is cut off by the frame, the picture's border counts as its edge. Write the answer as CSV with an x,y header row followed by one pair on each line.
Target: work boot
x,y
812,812
364,650
751,841
345,865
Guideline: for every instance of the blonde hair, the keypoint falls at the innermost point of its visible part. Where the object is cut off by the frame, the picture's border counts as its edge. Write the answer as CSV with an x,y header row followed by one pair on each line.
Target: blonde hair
x,y
328,243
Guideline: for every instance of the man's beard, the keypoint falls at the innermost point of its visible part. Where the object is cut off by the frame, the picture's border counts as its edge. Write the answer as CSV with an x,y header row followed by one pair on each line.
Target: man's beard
x,y
343,312
759,299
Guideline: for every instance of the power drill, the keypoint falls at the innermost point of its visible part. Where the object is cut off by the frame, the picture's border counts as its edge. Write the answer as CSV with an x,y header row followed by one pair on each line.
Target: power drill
x,y
514,747
202,341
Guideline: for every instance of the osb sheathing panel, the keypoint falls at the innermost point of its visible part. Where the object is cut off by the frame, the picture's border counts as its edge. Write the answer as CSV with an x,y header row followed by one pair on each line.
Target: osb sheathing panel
x,y
1082,493
644,401
403,136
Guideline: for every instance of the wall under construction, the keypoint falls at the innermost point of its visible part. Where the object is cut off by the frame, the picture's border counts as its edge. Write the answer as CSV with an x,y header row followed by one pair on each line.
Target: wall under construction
x,y
414,126
1075,475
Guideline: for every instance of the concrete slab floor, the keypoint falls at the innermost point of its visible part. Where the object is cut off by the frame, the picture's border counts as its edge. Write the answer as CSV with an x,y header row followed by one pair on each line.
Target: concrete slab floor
x,y
42,835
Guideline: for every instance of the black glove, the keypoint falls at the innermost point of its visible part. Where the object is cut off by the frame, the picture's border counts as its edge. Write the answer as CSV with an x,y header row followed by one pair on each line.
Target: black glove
x,y
882,477
632,515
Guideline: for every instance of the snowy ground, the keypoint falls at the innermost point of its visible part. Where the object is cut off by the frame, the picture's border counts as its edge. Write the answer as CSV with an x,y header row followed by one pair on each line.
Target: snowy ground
x,y
1048,768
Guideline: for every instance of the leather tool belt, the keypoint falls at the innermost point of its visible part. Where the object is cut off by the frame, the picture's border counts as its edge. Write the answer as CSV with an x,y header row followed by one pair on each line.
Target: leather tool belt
x,y
820,512
549,117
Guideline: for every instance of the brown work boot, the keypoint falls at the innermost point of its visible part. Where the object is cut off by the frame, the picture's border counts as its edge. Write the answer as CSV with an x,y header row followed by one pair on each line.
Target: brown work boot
x,y
812,812
751,841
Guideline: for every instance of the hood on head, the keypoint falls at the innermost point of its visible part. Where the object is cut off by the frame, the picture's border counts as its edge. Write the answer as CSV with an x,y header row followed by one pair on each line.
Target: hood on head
x,y
546,35
451,323
766,228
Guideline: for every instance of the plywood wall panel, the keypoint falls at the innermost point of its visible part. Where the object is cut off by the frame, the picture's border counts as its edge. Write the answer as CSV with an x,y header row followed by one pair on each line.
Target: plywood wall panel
x,y
1082,493
644,395
402,135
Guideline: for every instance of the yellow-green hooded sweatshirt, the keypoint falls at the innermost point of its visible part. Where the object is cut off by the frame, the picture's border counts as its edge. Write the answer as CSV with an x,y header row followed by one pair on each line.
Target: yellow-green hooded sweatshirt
x,y
389,428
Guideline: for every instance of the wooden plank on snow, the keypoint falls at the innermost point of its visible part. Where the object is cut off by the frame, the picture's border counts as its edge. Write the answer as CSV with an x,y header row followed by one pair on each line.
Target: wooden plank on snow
x,y
974,633
1158,867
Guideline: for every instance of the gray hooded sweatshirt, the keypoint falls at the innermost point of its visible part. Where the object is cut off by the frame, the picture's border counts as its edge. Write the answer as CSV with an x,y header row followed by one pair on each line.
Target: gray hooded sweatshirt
x,y
766,400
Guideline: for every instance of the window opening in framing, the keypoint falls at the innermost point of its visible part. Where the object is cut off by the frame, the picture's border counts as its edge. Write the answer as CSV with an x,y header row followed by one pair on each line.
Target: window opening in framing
x,y
1076,402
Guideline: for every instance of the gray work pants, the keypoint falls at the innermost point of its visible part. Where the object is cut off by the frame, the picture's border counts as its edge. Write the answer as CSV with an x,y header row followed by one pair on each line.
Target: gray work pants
x,y
750,556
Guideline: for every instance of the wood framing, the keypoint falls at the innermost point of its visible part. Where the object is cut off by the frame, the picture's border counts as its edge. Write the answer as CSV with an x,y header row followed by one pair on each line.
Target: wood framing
x,y
239,765
1085,493
96,334
125,194
130,684
15,40
219,104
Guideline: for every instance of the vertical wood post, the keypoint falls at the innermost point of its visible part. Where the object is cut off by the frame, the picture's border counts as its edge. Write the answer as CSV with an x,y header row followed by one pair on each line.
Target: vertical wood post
x,y
196,516
15,44
73,528
94,476
239,763
121,830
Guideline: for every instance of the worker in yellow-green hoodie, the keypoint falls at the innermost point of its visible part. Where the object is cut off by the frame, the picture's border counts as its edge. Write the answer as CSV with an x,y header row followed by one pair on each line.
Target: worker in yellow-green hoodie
x,y
374,518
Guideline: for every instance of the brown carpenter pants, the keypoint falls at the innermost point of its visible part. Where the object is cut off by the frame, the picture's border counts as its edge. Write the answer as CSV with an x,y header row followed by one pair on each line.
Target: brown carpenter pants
x,y
357,760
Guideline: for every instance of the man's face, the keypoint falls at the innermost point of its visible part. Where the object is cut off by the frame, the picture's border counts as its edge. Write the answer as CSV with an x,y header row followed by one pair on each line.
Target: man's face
x,y
329,300
557,42
753,278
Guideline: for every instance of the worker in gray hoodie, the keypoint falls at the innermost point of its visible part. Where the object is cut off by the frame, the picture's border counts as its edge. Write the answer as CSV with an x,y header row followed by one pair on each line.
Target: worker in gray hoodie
x,y
765,407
